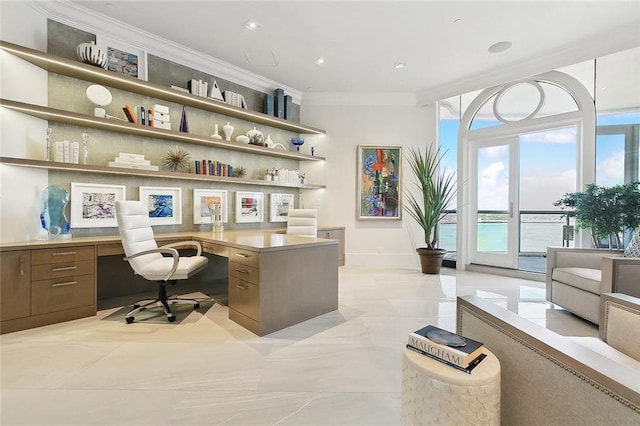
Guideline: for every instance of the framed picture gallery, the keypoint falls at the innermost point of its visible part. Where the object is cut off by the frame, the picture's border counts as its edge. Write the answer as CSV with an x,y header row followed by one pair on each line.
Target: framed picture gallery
x,y
164,204
93,205
205,201
249,207
279,206
124,58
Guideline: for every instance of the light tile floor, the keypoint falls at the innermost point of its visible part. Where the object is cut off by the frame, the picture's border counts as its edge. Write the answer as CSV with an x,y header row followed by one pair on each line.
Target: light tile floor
x,y
342,368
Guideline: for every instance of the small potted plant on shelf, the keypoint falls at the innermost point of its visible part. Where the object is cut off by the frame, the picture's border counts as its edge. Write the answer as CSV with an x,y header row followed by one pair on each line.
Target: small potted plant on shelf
x,y
436,190
607,211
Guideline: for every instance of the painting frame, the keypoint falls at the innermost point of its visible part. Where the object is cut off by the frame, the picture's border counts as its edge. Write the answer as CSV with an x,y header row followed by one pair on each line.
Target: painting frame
x,y
81,205
153,196
276,203
381,200
246,203
199,202
120,57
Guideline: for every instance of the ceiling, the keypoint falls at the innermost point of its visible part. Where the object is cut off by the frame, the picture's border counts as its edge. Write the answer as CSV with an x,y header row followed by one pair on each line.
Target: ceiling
x,y
443,43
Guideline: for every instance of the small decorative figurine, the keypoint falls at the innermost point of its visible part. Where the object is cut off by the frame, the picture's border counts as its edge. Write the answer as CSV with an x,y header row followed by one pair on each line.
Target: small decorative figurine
x,y
85,148
48,132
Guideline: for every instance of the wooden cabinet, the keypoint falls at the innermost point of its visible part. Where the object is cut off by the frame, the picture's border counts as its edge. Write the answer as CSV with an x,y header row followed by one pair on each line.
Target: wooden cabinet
x,y
15,284
45,286
334,233
244,283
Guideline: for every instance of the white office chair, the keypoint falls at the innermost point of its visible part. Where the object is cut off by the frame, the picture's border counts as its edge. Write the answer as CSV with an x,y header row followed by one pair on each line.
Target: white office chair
x,y
302,222
146,258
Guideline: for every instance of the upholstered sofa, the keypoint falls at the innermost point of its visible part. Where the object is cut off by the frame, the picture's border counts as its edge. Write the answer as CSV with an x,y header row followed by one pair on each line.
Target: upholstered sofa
x,y
577,277
549,379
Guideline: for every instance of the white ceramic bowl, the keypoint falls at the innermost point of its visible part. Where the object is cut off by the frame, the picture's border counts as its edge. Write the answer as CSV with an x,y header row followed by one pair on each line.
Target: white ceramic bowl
x,y
243,139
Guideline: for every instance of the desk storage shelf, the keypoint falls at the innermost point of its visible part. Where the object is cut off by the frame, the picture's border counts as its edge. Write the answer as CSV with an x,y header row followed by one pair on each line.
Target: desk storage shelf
x,y
82,168
97,75
84,120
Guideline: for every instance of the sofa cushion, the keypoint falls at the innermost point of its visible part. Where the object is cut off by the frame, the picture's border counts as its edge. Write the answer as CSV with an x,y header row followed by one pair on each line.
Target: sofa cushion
x,y
633,249
602,348
583,278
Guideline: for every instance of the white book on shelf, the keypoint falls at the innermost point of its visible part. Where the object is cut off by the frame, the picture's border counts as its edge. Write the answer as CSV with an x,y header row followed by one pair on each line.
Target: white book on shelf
x,y
131,156
132,161
76,152
132,166
65,152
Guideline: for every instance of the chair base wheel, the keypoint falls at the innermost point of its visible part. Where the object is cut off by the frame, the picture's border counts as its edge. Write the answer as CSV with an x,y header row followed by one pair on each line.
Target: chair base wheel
x,y
129,319
171,318
196,306
136,306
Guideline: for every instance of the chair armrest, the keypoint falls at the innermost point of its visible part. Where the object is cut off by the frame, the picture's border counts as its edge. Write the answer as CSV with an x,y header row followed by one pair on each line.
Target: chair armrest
x,y
162,250
620,275
187,243
620,328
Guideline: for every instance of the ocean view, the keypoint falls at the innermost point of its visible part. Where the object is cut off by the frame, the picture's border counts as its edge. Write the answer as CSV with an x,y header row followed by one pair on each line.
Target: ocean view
x,y
535,236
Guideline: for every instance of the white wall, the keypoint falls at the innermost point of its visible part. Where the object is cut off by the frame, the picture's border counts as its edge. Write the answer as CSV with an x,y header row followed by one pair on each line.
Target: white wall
x,y
368,242
21,135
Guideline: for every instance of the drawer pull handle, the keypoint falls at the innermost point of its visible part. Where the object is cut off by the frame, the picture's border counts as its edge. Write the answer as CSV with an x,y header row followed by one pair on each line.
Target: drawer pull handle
x,y
242,271
64,253
241,287
242,255
21,266
64,284
66,268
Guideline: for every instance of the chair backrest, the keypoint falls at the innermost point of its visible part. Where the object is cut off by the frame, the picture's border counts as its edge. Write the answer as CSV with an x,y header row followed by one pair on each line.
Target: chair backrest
x,y
302,222
136,232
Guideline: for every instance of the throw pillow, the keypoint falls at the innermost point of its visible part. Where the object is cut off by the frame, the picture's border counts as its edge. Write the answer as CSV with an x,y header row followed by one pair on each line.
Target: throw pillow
x,y
633,249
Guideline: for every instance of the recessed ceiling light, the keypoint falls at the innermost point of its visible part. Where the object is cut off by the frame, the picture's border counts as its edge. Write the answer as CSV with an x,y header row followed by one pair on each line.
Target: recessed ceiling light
x,y
500,46
251,25
400,65
319,61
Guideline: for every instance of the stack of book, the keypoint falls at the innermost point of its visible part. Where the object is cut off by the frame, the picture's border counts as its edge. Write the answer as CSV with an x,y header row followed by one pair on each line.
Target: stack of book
x,y
66,152
158,116
449,348
132,161
213,168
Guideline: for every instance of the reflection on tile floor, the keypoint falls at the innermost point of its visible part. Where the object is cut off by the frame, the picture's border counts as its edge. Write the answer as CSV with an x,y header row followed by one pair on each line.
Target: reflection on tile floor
x,y
342,368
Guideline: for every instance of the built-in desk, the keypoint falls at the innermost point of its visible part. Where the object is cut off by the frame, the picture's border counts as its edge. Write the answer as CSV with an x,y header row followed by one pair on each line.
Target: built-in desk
x,y
275,280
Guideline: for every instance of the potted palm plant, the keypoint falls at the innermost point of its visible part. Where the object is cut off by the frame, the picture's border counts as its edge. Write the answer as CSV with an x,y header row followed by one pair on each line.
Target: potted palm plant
x,y
435,190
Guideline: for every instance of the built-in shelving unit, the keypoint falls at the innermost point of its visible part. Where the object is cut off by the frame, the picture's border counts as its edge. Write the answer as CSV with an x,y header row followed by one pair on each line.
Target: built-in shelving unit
x,y
82,168
98,75
84,120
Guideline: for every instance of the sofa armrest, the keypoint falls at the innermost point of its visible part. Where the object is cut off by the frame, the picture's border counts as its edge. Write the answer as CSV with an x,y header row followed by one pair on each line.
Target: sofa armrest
x,y
545,372
620,275
620,326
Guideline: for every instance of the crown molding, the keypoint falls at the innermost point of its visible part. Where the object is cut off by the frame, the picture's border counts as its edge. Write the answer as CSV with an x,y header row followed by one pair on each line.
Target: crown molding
x,y
589,49
86,20
359,99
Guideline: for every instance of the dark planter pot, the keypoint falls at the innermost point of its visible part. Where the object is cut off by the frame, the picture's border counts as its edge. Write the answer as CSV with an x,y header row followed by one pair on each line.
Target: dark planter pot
x,y
431,260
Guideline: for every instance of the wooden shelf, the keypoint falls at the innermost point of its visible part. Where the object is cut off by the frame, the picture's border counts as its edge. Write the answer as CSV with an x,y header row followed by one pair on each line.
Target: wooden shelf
x,y
82,168
98,75
119,126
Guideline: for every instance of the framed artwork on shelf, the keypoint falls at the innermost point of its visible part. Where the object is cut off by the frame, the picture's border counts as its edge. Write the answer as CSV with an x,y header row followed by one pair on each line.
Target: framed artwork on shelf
x,y
93,205
124,58
164,204
279,207
249,207
204,201
379,182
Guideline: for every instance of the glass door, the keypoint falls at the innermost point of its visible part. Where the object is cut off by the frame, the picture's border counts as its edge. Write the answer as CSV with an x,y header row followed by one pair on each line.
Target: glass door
x,y
494,207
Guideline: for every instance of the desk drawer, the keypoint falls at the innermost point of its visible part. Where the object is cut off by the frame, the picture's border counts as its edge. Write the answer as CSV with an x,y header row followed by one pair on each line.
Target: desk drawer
x,y
62,254
63,269
244,272
216,249
244,297
60,294
245,257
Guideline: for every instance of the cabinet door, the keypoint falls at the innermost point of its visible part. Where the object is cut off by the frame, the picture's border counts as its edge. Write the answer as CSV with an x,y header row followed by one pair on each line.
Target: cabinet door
x,y
15,284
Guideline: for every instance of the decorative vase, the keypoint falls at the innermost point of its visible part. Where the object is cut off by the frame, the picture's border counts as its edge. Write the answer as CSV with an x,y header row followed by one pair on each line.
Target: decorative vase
x,y
228,131
215,134
431,260
268,142
53,217
91,54
184,124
